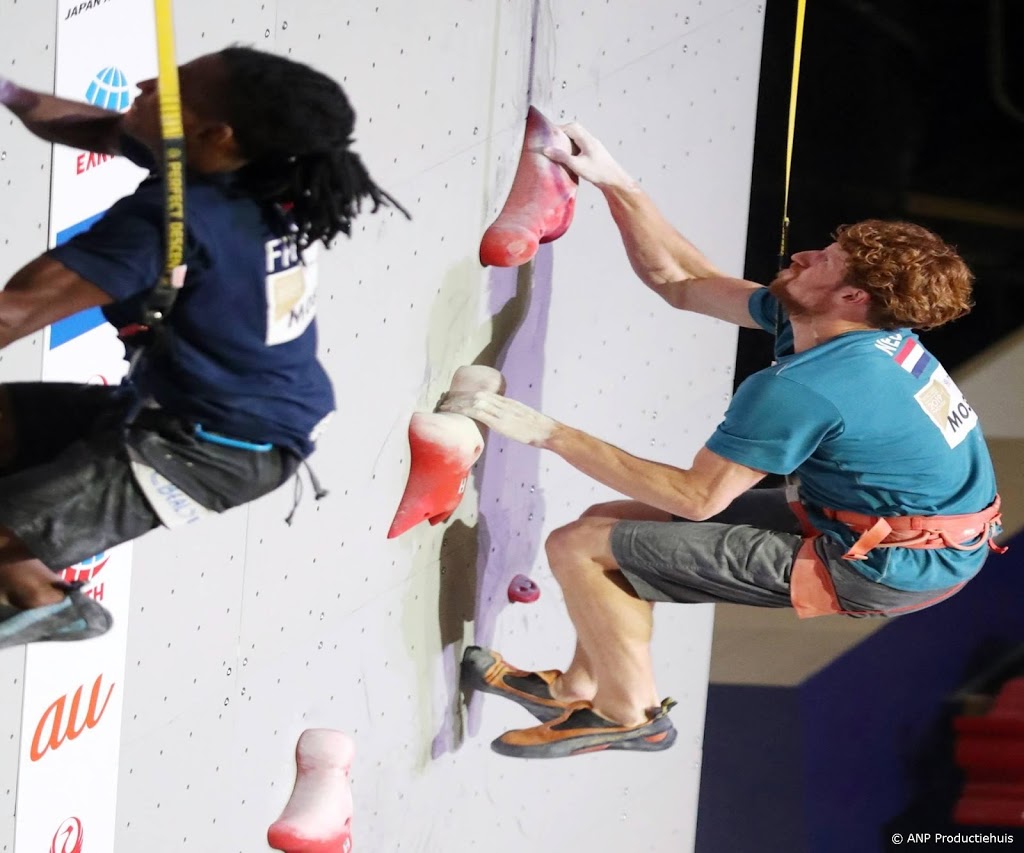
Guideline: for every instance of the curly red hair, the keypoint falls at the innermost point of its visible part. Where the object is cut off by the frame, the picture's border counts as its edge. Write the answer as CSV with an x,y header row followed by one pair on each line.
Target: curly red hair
x,y
915,279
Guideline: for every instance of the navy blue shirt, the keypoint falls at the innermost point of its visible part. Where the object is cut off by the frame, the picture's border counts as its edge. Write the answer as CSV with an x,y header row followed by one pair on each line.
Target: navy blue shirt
x,y
241,354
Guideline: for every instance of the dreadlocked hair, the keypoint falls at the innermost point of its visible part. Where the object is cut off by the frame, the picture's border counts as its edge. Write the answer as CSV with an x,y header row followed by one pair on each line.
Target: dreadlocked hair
x,y
294,127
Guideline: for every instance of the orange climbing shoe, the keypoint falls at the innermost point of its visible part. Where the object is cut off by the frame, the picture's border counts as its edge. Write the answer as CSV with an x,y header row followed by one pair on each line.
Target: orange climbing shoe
x,y
580,730
486,671
443,448
540,204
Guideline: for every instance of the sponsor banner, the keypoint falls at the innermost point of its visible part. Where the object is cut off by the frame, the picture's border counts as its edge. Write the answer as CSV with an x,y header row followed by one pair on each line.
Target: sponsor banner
x,y
99,63
102,52
78,324
71,723
97,356
69,838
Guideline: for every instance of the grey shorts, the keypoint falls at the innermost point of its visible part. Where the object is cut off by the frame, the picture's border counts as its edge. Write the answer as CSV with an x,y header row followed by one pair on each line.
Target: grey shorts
x,y
70,492
744,555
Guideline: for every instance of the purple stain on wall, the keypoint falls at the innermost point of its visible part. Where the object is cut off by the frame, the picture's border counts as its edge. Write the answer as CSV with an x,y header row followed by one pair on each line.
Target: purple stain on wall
x,y
511,503
511,506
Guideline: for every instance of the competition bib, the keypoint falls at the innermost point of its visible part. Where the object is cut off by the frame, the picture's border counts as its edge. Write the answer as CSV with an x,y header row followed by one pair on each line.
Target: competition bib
x,y
947,407
291,290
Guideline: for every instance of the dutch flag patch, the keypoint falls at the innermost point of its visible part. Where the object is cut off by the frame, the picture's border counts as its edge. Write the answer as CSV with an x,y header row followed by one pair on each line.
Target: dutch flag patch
x,y
913,358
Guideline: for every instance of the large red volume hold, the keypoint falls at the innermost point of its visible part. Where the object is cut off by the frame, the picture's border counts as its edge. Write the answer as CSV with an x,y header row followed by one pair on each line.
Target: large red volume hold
x,y
443,449
540,204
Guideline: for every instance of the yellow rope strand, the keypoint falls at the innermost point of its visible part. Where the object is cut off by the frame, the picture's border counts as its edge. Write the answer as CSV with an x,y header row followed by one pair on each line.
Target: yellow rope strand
x,y
797,50
173,137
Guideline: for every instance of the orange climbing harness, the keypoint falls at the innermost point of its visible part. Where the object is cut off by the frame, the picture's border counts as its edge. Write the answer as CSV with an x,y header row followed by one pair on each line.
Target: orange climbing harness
x,y
812,591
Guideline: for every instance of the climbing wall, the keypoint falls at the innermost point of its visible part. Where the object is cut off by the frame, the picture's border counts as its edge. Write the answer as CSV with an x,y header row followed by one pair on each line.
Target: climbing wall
x,y
27,48
244,632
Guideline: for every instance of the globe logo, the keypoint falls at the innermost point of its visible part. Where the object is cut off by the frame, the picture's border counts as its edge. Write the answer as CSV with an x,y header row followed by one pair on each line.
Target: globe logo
x,y
86,570
109,89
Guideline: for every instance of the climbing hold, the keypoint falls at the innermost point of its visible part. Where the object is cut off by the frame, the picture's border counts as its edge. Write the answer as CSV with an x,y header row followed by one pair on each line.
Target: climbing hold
x,y
443,448
523,590
471,378
318,816
540,205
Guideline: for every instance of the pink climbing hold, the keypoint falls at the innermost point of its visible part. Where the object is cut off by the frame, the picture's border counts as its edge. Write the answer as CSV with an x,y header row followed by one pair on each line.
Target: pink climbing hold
x,y
318,816
539,206
523,590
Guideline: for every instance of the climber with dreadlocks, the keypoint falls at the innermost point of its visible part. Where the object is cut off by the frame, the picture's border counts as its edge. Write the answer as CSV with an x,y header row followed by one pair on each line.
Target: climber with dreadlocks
x,y
230,401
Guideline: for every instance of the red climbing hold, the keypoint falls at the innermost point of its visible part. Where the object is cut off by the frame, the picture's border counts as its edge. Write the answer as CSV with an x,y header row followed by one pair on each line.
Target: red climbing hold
x,y
523,590
443,448
540,204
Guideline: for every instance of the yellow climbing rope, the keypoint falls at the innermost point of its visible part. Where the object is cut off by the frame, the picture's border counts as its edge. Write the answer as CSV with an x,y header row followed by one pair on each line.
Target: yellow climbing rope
x,y
173,136
797,48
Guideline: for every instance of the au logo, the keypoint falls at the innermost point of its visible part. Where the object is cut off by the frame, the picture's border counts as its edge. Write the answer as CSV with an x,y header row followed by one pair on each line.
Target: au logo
x,y
69,837
61,722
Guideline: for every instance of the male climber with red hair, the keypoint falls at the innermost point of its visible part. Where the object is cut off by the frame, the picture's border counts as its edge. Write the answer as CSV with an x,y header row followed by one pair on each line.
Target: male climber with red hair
x,y
896,505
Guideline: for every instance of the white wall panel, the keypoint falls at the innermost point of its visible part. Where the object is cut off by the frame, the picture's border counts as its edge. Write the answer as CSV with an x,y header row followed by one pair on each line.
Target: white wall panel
x,y
202,27
246,631
27,51
428,80
184,622
28,55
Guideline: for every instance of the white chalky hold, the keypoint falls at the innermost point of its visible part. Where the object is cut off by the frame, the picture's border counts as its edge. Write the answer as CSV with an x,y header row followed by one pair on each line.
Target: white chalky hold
x,y
318,816
477,377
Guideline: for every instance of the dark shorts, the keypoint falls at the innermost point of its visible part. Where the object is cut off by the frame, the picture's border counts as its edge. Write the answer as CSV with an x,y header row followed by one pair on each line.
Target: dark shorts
x,y
744,555
72,489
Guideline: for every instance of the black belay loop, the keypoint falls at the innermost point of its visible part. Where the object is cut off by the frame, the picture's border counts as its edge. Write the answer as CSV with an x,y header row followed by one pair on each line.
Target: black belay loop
x,y
159,303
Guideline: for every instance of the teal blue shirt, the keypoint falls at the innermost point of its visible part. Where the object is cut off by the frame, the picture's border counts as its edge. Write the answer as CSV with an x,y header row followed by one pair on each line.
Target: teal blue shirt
x,y
870,422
